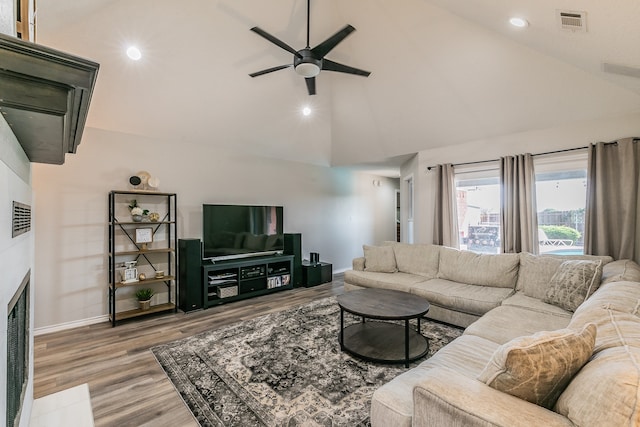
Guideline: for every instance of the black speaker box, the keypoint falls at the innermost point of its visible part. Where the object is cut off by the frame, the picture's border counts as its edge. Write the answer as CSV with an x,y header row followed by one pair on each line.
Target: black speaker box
x,y
191,292
293,246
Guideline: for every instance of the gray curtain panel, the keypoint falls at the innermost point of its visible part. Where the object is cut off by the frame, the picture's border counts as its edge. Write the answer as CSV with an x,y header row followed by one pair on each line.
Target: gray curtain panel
x,y
446,231
518,211
612,223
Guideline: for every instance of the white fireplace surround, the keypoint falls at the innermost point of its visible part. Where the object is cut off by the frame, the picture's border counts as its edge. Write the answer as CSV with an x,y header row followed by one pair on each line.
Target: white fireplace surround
x,y
16,255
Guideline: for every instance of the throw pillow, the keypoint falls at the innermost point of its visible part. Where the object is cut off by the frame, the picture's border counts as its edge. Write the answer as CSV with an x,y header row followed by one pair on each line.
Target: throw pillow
x,y
379,259
573,283
539,367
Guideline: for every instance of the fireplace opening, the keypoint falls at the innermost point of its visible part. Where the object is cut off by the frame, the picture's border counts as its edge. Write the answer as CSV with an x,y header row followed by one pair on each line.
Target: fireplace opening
x,y
17,351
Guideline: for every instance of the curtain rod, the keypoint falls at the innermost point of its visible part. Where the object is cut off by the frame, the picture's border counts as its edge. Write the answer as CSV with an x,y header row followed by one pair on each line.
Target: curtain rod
x,y
537,154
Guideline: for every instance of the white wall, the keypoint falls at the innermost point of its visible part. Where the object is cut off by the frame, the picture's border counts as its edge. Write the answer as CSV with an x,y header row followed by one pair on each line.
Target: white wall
x,y
7,17
16,254
336,209
572,135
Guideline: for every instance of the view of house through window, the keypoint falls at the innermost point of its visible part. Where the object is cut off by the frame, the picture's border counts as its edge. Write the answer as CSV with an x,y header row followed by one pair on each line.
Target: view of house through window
x,y
479,214
560,198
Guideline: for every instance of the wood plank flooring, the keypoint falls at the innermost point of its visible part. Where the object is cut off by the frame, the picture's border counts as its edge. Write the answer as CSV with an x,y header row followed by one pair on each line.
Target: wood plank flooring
x,y
128,387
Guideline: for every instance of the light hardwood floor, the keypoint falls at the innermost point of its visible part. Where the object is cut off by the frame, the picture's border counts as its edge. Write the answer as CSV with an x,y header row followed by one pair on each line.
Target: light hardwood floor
x,y
127,385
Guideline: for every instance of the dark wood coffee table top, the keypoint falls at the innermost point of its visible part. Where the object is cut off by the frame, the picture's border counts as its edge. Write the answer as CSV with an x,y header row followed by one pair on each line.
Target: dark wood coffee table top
x,y
383,304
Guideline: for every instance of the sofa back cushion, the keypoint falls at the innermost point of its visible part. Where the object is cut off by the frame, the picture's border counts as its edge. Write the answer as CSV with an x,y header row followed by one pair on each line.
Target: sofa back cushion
x,y
379,259
536,271
621,270
606,391
499,270
417,259
538,367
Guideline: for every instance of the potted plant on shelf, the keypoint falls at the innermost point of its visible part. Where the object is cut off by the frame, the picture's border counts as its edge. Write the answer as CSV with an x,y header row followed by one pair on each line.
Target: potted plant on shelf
x,y
136,211
144,298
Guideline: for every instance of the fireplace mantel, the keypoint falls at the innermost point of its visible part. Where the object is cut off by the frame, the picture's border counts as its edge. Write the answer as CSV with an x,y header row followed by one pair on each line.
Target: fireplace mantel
x,y
44,96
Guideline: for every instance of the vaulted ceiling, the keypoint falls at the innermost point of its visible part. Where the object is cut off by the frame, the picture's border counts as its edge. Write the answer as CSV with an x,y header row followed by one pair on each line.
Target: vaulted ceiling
x,y
443,71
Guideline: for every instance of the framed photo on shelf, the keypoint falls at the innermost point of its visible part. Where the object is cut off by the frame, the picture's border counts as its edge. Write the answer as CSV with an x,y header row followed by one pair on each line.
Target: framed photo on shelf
x,y
144,236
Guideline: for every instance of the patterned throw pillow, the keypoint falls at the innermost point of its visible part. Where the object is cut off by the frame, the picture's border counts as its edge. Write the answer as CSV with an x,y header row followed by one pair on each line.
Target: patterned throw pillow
x,y
573,283
539,367
380,259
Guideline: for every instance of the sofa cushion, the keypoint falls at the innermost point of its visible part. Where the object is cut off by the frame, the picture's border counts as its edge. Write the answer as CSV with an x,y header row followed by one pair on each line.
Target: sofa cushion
x,y
536,307
499,270
573,283
536,271
618,296
392,404
538,367
398,281
470,299
505,323
417,259
380,259
621,270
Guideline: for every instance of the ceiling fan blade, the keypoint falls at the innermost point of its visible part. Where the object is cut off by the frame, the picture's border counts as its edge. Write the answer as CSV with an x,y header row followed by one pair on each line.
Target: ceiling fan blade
x,y
341,68
270,70
275,40
311,85
325,47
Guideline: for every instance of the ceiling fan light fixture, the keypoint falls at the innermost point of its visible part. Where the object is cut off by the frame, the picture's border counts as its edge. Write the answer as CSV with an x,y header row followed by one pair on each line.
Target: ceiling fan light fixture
x,y
307,69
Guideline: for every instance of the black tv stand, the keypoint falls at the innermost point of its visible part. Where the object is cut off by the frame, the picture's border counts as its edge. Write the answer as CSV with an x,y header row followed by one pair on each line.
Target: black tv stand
x,y
232,280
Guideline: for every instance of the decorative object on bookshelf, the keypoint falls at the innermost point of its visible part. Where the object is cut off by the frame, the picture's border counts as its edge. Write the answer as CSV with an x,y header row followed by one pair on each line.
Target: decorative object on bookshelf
x,y
137,212
142,276
159,274
144,236
154,216
130,272
144,298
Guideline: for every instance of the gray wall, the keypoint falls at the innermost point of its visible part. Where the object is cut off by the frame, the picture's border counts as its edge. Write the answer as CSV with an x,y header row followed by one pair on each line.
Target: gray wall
x,y
337,210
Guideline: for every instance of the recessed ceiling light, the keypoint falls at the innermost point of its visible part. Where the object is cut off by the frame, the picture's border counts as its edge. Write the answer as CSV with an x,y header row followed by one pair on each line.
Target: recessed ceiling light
x,y
306,111
134,53
518,22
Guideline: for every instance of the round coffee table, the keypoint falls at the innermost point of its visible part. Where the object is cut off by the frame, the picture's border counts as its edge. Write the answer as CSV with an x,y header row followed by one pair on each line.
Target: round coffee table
x,y
384,342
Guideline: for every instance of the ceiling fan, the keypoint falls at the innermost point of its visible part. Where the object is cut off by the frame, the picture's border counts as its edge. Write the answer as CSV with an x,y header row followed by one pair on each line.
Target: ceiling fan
x,y
308,62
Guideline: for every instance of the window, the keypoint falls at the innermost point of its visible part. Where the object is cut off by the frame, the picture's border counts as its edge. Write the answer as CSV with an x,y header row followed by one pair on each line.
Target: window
x,y
478,196
561,199
561,196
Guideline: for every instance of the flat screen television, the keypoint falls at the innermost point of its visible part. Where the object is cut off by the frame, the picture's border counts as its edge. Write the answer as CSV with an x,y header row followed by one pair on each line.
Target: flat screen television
x,y
235,231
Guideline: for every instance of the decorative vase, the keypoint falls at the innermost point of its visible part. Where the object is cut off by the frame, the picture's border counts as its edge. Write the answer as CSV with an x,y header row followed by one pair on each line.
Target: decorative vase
x,y
145,305
136,218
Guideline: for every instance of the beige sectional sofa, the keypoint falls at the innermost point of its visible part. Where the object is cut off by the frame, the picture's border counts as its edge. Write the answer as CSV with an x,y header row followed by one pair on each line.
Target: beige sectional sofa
x,y
521,360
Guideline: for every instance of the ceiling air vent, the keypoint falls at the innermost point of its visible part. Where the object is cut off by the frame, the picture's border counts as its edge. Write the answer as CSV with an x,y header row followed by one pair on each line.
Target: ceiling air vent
x,y
21,219
572,20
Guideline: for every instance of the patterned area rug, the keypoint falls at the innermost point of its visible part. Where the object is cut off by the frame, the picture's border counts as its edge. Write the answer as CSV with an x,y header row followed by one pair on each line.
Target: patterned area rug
x,y
281,369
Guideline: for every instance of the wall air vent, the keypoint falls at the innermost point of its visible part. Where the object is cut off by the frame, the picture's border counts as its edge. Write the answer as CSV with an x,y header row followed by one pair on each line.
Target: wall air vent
x,y
572,20
21,219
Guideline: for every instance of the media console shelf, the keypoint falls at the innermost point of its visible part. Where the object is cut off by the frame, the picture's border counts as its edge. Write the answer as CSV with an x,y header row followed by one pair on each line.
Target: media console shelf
x,y
232,280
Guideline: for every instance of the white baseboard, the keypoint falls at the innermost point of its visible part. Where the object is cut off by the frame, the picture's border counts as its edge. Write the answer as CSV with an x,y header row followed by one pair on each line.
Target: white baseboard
x,y
70,325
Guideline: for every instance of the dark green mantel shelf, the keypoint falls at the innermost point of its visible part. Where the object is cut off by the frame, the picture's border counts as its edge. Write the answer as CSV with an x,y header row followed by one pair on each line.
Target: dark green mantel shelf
x,y
44,97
